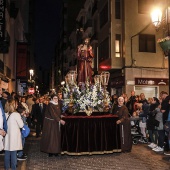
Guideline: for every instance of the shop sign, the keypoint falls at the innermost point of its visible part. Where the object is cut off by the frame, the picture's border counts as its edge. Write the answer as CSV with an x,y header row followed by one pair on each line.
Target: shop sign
x,y
151,81
2,20
31,91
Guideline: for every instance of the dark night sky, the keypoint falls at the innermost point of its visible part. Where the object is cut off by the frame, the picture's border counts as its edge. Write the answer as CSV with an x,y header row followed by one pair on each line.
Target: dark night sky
x,y
47,21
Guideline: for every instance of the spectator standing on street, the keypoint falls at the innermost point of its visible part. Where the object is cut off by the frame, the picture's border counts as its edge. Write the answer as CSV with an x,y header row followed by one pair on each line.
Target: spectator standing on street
x,y
24,104
38,114
165,107
151,122
51,137
13,94
29,103
21,155
13,140
136,103
160,130
5,96
165,111
2,131
36,101
142,124
143,100
130,103
46,100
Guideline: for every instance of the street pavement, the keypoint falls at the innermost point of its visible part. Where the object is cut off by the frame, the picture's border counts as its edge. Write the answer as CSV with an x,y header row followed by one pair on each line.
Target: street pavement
x,y
141,158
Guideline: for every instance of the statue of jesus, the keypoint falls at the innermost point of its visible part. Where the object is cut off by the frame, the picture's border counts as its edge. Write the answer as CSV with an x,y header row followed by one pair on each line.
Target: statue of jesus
x,y
84,65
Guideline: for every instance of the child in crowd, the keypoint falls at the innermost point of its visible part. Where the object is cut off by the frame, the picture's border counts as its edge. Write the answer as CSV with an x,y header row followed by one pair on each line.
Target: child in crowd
x,y
22,111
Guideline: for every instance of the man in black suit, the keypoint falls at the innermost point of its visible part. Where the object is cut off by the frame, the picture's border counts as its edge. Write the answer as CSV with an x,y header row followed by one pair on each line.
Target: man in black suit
x,y
38,114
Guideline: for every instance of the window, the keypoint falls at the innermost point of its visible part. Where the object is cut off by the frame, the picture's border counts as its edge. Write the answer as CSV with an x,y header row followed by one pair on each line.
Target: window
x,y
147,43
117,9
104,50
144,6
117,45
104,16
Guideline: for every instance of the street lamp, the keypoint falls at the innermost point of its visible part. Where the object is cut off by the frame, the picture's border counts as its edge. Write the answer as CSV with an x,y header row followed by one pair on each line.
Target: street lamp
x,y
162,19
31,73
156,16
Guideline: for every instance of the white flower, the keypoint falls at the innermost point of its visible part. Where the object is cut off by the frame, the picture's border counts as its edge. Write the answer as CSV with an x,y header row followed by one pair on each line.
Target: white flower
x,y
89,96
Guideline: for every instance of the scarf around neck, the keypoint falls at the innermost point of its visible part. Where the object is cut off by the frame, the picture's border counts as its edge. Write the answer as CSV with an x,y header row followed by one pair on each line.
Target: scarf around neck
x,y
54,102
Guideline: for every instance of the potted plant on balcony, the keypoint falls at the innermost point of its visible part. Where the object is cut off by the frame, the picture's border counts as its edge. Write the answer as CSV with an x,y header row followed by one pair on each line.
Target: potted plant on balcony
x,y
165,44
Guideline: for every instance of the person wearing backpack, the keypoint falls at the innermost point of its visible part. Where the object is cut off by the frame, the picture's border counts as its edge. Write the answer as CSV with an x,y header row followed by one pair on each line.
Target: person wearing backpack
x,y
20,155
12,142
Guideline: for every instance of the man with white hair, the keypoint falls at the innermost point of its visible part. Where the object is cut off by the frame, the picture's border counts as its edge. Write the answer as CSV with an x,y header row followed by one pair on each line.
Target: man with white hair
x,y
125,126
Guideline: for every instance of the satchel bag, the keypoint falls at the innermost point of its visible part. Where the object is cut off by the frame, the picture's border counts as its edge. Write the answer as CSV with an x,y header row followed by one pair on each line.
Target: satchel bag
x,y
156,123
167,126
25,131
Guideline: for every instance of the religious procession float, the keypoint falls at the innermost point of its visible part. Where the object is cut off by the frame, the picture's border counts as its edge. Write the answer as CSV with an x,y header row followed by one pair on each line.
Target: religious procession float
x,y
86,96
82,92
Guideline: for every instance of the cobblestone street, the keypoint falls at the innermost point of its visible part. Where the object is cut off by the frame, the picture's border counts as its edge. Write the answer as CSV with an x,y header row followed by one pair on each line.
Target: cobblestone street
x,y
141,158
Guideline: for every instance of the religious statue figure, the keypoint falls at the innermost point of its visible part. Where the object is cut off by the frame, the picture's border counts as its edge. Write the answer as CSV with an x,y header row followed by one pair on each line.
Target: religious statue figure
x,y
84,66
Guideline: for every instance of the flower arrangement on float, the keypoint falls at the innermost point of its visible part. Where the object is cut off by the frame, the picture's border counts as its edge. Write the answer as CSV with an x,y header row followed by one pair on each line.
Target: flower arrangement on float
x,y
85,97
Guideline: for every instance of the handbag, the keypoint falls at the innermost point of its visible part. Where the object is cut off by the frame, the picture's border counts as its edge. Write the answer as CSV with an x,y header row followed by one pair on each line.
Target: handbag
x,y
25,131
156,123
167,126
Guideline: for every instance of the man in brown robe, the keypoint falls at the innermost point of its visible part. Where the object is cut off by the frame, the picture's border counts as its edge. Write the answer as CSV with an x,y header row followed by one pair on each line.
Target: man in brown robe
x,y
125,126
51,137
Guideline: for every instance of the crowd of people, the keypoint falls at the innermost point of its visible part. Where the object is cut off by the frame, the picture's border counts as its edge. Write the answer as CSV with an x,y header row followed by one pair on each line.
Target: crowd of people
x,y
17,111
44,114
154,122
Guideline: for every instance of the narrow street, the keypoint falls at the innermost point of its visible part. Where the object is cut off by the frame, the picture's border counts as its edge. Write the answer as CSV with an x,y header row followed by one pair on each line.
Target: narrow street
x,y
141,158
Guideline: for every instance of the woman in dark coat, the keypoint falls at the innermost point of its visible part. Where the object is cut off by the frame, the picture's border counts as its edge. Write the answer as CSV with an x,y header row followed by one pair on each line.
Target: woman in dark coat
x,y
125,126
50,141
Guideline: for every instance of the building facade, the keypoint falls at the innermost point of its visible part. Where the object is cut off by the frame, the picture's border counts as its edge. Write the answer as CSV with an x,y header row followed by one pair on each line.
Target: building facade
x,y
15,52
124,42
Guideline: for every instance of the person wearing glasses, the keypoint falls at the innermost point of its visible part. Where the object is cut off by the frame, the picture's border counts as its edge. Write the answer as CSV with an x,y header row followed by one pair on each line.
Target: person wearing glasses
x,y
51,137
